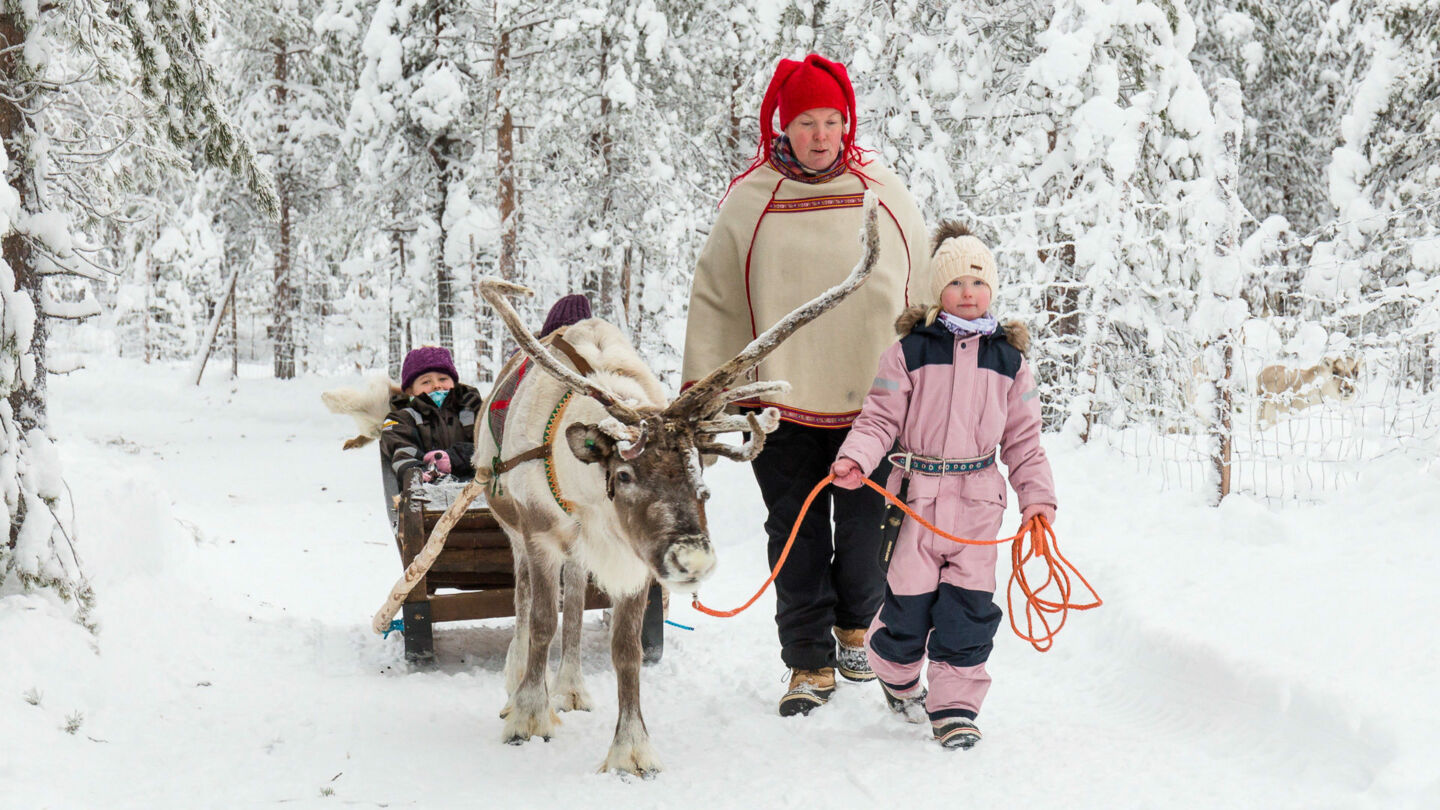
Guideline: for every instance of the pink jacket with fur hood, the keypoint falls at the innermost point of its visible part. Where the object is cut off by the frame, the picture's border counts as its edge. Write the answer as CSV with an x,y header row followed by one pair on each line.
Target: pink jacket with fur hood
x,y
945,396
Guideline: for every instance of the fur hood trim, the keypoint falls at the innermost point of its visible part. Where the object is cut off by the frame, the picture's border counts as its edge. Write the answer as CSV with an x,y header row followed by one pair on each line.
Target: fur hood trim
x,y
1016,333
908,319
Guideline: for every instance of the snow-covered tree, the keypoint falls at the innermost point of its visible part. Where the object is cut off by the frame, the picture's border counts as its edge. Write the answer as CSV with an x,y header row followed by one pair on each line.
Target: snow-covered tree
x,y
59,177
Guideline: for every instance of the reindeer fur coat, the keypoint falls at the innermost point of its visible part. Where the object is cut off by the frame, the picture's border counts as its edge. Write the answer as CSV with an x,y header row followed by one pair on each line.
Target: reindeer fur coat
x,y
776,244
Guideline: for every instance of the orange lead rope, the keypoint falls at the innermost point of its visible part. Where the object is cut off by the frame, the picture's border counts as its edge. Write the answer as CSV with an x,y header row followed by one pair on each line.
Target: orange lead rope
x,y
1042,546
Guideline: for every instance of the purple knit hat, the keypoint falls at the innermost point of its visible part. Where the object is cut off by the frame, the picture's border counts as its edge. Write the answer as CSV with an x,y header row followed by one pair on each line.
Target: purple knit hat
x,y
427,358
568,310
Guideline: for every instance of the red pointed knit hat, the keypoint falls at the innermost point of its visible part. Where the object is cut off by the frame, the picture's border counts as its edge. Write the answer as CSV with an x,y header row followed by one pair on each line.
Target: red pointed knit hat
x,y
799,86
805,85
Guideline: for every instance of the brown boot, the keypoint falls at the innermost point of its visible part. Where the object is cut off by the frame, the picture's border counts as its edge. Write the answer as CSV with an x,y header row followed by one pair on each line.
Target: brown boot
x,y
854,663
808,688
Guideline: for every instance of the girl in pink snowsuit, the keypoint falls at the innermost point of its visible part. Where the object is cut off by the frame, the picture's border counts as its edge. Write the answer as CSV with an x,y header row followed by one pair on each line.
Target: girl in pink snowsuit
x,y
953,390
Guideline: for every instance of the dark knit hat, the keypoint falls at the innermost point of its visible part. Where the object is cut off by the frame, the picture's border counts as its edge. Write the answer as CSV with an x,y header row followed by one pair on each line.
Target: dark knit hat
x,y
427,358
568,310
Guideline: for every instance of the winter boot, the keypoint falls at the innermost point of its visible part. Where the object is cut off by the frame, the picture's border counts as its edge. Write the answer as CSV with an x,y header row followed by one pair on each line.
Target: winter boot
x,y
854,664
909,703
808,688
956,732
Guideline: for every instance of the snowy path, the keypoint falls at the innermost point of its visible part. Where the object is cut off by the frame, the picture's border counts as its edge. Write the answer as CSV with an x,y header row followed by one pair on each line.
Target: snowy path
x,y
1245,657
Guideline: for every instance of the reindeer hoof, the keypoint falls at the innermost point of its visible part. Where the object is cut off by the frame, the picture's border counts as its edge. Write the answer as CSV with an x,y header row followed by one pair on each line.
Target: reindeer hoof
x,y
632,760
521,725
576,701
626,774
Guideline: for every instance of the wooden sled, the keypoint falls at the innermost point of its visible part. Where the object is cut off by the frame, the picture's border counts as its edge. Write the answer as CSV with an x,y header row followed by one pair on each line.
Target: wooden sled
x,y
474,576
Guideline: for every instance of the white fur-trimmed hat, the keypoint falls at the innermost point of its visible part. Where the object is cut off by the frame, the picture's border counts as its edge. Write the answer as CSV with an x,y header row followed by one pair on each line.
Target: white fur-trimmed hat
x,y
958,252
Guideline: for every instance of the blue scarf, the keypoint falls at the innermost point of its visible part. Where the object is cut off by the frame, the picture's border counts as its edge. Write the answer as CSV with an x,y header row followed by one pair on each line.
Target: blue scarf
x,y
438,397
983,325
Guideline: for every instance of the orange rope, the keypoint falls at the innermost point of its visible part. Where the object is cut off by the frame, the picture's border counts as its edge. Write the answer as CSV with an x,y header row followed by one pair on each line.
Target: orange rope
x,y
1042,546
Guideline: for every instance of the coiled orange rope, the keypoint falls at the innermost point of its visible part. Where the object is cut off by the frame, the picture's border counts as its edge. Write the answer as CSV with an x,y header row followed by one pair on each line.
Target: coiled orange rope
x,y
1041,545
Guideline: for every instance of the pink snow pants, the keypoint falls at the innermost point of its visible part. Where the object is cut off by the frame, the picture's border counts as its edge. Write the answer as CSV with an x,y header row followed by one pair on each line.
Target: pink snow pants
x,y
939,604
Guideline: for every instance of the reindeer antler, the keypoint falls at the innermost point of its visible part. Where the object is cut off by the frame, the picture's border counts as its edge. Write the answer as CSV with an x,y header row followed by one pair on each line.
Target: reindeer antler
x,y
494,290
704,397
749,450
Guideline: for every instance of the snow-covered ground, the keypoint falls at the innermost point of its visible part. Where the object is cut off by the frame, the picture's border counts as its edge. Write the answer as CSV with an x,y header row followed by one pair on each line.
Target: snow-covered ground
x,y
1245,656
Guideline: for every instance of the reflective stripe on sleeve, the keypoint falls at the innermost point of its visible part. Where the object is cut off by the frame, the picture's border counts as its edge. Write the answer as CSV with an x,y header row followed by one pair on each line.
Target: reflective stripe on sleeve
x,y
887,385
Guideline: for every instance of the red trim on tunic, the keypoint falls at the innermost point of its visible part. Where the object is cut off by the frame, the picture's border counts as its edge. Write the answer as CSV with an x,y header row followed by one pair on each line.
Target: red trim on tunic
x,y
909,265
750,250
803,417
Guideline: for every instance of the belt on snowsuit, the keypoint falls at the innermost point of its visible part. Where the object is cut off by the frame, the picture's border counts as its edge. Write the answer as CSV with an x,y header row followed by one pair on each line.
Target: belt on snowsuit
x,y
925,465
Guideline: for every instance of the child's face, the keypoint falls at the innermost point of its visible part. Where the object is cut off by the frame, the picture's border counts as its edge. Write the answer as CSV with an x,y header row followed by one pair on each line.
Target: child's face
x,y
966,297
430,381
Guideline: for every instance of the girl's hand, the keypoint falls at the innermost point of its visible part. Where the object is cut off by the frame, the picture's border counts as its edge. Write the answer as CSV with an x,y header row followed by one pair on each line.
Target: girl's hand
x,y
439,459
847,474
1045,510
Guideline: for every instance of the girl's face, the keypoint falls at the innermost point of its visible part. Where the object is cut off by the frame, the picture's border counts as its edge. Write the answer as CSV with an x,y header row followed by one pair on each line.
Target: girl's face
x,y
816,135
430,381
966,297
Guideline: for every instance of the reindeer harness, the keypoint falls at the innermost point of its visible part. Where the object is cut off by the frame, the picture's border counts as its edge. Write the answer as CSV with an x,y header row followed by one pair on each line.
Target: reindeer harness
x,y
509,380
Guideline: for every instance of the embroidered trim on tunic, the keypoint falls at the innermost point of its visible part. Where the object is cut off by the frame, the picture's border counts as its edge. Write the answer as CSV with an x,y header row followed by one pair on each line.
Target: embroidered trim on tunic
x,y
816,203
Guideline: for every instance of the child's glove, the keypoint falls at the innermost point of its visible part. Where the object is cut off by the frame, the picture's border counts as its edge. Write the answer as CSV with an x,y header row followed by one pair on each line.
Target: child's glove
x,y
847,474
439,459
1044,510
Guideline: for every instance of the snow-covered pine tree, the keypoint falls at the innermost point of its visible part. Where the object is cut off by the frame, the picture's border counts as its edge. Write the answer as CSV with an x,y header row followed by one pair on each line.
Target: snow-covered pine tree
x,y
1384,184
418,107
50,56
291,94
1117,221
1291,62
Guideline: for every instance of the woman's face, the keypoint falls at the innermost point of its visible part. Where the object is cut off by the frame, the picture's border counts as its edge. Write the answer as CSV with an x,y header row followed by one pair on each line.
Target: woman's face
x,y
817,136
966,297
430,381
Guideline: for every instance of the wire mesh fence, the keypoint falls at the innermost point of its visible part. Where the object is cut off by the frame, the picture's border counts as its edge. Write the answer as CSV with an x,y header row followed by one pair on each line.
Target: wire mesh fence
x,y
1299,426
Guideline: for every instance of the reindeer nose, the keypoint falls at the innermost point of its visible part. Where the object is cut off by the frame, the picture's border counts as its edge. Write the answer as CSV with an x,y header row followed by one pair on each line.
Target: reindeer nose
x,y
688,559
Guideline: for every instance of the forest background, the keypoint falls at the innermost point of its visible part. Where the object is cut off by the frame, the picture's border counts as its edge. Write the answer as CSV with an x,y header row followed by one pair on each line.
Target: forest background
x,y
1178,193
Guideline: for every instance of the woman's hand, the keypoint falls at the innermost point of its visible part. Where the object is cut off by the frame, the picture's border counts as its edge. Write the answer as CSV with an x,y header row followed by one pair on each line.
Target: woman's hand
x,y
847,474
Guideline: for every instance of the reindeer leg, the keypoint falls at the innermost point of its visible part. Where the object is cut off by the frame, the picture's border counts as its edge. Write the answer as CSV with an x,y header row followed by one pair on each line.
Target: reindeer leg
x,y
570,692
530,713
630,750
519,650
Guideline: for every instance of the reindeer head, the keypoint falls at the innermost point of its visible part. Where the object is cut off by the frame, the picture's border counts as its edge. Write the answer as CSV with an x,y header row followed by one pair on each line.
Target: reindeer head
x,y
1346,373
651,457
651,489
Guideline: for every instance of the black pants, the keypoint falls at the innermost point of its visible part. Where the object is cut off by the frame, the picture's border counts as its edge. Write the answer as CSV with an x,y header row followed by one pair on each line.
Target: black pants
x,y
830,579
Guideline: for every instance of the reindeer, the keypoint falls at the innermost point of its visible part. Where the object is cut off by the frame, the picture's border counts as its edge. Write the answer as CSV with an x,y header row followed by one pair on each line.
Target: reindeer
x,y
1283,389
622,498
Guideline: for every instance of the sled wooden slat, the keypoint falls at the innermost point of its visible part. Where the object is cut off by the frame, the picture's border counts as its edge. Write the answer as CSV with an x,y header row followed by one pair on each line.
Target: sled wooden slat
x,y
474,575
472,578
